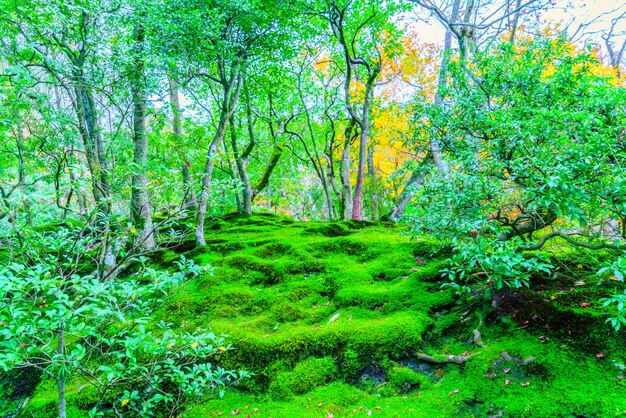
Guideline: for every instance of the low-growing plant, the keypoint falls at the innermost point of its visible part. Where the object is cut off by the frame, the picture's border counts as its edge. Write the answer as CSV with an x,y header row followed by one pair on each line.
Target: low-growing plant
x,y
75,326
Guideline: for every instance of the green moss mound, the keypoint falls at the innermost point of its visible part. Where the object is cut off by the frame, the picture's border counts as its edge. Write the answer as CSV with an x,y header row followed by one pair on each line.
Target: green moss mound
x,y
329,318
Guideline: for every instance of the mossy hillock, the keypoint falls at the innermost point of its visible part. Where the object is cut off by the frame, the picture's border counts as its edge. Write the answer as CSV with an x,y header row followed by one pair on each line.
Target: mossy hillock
x,y
330,317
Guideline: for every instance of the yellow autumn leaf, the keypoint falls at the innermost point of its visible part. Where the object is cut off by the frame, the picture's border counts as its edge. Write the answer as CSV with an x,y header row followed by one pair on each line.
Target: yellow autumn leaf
x,y
222,349
194,344
133,230
125,402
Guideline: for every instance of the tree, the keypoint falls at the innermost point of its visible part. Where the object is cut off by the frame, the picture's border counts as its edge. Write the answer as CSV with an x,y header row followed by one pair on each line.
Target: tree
x,y
364,33
535,136
140,207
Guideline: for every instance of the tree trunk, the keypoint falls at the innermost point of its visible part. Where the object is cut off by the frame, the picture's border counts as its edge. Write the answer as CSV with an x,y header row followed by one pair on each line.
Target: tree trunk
x,y
374,186
62,377
89,130
231,91
140,204
360,175
417,179
344,173
242,170
189,196
264,181
436,148
518,5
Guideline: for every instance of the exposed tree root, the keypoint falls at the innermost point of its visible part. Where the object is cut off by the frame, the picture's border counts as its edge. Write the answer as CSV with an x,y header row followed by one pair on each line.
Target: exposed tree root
x,y
446,359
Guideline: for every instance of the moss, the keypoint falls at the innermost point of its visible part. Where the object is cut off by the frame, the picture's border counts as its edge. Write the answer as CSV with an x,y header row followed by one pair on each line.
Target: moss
x,y
16,386
285,312
402,380
306,376
269,273
277,284
329,230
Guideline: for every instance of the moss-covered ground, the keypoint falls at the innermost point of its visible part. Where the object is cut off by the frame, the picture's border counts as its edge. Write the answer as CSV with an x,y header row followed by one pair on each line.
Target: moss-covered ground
x,y
329,317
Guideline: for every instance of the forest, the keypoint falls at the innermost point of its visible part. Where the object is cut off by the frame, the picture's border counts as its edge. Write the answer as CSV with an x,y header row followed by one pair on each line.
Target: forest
x,y
312,208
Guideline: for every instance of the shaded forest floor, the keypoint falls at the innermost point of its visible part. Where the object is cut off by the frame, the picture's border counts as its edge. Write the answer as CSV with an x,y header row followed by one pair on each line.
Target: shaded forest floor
x,y
329,318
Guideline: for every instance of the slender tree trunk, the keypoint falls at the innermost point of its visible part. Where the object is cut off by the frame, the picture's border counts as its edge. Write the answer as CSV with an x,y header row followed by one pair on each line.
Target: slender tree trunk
x,y
416,180
346,184
189,196
364,125
436,148
264,181
61,379
140,203
232,88
242,170
231,172
89,130
374,186
518,4
360,175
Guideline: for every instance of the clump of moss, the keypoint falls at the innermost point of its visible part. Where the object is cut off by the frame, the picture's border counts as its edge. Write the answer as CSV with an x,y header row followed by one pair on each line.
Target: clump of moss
x,y
330,230
402,380
305,376
268,272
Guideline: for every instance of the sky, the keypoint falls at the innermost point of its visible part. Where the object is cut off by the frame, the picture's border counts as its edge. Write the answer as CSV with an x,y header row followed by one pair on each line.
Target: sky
x,y
595,15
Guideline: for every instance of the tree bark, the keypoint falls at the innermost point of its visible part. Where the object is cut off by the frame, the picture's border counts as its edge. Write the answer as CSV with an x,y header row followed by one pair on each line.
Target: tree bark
x,y
231,90
242,170
264,181
344,172
364,125
61,378
140,203
374,186
189,196
89,130
416,180
515,21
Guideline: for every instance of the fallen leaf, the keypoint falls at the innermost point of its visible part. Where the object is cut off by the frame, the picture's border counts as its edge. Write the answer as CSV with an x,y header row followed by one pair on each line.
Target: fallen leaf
x,y
620,377
222,349
319,405
584,304
525,384
377,408
507,381
235,412
220,413
580,266
255,409
600,355
579,283
330,415
369,412
506,370
615,279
